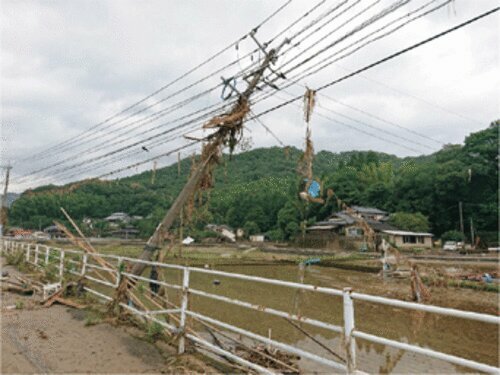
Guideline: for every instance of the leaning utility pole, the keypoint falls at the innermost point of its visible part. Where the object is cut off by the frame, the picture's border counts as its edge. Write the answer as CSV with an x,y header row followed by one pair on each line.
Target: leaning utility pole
x,y
229,126
3,213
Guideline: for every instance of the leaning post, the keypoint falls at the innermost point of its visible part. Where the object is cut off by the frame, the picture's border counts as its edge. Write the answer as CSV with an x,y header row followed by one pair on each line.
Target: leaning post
x,y
184,306
349,343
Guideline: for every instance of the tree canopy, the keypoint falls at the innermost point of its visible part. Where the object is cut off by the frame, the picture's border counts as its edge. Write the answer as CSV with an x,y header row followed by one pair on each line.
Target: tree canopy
x,y
258,189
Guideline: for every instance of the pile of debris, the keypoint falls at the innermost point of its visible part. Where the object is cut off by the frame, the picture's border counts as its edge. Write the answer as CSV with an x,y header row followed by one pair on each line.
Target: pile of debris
x,y
18,284
44,294
480,277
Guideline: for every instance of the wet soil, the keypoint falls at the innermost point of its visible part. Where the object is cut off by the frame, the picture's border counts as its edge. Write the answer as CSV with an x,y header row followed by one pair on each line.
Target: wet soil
x,y
36,339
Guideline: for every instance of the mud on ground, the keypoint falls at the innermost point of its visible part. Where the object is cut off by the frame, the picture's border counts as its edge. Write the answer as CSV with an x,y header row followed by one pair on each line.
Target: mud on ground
x,y
36,339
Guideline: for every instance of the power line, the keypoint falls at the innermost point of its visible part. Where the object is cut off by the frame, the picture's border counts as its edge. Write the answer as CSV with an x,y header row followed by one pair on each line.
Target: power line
x,y
337,28
358,28
211,58
135,165
378,62
364,131
95,149
309,71
156,115
385,59
371,20
258,120
381,119
136,143
106,144
413,96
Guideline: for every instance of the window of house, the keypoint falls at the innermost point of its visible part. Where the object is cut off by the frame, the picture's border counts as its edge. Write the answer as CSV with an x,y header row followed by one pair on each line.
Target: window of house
x,y
409,239
354,232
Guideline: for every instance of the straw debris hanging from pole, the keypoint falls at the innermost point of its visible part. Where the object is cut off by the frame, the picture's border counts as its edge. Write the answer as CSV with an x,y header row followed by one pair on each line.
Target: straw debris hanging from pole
x,y
229,129
305,162
309,104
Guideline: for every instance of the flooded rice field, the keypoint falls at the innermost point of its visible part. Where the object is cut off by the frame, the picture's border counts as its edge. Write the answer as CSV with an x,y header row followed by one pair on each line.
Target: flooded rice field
x,y
468,339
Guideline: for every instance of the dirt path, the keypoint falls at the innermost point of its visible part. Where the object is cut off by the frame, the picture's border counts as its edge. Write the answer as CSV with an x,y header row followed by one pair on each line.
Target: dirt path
x,y
56,340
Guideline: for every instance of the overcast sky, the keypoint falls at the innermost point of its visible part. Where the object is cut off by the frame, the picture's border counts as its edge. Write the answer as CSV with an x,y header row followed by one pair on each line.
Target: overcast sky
x,y
67,65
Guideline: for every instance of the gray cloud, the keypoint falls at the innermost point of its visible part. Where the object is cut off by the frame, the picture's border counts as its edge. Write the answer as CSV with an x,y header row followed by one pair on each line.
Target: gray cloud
x,y
69,65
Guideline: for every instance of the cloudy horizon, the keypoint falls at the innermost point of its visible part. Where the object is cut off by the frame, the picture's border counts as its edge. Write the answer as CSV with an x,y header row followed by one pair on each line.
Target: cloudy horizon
x,y
67,66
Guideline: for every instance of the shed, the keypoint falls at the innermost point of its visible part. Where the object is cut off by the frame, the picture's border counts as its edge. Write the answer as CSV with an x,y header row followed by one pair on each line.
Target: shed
x,y
257,238
407,239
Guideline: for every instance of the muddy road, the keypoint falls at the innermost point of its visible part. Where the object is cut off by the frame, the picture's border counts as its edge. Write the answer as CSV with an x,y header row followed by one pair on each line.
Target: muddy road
x,y
36,339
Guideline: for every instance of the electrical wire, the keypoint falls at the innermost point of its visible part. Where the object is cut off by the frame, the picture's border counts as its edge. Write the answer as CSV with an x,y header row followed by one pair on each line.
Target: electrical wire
x,y
383,60
164,87
93,149
177,105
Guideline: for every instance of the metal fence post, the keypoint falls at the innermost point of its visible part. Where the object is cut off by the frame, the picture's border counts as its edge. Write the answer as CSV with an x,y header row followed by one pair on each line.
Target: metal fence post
x,y
28,254
349,342
84,264
61,265
47,250
184,306
36,254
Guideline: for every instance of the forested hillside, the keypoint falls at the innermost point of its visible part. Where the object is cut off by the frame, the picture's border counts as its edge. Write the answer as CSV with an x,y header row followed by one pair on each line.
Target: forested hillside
x,y
258,190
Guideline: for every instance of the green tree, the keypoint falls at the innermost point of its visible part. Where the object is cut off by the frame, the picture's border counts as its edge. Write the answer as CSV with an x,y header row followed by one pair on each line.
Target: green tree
x,y
415,222
250,228
452,235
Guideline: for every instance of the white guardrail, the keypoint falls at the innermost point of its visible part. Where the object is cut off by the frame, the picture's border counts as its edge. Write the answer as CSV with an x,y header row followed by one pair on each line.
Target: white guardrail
x,y
42,255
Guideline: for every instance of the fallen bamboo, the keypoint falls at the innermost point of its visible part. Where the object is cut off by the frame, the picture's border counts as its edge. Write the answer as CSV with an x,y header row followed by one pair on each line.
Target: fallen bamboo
x,y
86,246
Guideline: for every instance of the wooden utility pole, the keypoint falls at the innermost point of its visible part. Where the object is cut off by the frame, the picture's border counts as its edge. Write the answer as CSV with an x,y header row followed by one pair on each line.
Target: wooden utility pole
x,y
229,125
3,213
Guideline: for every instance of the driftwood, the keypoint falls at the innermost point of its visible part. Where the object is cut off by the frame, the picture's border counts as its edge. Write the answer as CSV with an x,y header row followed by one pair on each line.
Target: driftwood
x,y
20,286
67,302
17,289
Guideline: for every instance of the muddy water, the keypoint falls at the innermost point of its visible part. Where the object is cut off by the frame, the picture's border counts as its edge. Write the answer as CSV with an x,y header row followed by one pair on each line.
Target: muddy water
x,y
468,339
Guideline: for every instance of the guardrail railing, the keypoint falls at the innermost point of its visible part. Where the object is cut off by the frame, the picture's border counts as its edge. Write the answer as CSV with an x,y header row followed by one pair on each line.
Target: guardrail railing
x,y
42,255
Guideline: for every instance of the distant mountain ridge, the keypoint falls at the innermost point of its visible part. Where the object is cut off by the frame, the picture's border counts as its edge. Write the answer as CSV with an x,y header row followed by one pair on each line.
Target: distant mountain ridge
x,y
259,189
